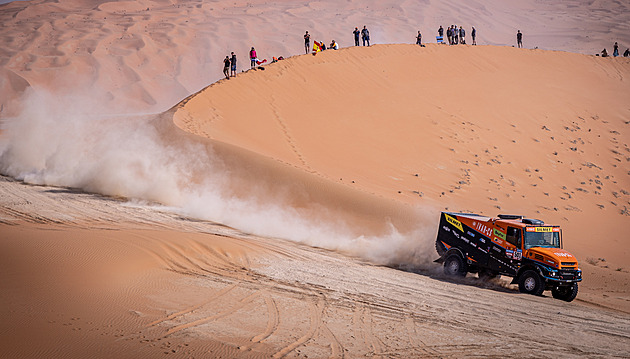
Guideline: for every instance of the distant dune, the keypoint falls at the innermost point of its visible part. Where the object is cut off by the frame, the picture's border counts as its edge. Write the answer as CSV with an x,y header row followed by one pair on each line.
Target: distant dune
x,y
143,56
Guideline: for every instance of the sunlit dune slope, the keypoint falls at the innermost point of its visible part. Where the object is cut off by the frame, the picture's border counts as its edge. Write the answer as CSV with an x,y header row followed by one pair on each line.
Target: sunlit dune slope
x,y
482,129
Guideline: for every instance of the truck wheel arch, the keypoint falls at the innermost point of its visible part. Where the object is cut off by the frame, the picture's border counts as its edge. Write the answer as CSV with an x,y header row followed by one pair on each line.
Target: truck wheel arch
x,y
523,269
457,251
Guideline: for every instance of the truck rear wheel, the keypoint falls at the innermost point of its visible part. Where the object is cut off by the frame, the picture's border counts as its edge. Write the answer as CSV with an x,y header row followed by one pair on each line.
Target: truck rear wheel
x,y
531,283
454,265
566,293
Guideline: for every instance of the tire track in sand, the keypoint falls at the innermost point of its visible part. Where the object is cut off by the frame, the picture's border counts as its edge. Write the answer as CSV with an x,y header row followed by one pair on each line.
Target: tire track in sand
x,y
336,348
415,338
362,321
236,307
315,322
273,320
183,312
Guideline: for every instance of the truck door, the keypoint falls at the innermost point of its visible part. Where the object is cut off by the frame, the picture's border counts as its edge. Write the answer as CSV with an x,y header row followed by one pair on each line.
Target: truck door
x,y
514,237
503,249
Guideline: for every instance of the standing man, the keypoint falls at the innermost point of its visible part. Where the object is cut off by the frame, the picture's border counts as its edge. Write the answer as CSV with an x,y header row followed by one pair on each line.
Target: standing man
x,y
233,65
252,58
307,42
519,39
356,33
462,35
455,35
441,31
226,67
365,34
419,39
474,35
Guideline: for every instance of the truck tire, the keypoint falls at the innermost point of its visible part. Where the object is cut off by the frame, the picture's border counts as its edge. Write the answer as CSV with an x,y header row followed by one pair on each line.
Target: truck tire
x,y
454,265
566,293
530,282
439,247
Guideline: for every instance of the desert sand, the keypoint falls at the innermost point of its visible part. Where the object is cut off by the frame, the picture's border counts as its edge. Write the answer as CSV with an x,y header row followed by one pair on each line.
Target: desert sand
x,y
148,208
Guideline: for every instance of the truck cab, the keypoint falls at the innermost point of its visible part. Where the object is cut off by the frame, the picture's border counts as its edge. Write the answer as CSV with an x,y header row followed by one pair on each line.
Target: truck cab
x,y
525,249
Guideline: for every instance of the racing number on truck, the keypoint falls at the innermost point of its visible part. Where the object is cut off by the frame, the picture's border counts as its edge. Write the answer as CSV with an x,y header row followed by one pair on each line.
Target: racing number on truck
x,y
486,231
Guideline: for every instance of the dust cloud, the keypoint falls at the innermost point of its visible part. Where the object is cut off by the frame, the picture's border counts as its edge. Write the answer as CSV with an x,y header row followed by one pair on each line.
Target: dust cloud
x,y
66,141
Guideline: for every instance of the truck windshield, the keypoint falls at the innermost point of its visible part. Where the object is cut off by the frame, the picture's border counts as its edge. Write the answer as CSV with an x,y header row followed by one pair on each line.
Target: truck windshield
x,y
542,239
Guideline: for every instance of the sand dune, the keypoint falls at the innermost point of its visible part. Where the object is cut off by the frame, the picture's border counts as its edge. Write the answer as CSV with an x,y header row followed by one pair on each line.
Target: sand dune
x,y
458,129
143,56
182,232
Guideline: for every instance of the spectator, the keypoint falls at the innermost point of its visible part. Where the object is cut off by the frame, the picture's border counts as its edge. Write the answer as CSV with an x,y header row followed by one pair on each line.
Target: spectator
x,y
419,39
233,65
455,35
449,35
627,53
356,33
365,35
519,39
226,67
473,33
462,35
604,53
615,50
307,42
441,31
333,45
253,58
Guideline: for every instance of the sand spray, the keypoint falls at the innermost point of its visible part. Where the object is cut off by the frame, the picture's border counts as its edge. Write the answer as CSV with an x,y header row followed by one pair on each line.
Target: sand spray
x,y
67,141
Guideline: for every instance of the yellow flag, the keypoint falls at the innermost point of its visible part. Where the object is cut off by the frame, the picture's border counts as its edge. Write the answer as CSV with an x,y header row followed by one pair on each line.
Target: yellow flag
x,y
317,47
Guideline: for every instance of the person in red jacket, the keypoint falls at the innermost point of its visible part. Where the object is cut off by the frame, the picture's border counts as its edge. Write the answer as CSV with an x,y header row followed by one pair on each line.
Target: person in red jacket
x,y
253,57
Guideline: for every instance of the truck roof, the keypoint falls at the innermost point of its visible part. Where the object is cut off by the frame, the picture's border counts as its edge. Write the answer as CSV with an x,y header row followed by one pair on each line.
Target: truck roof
x,y
514,220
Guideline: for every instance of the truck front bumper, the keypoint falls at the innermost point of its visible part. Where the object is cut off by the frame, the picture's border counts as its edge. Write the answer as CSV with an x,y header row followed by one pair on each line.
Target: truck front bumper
x,y
563,275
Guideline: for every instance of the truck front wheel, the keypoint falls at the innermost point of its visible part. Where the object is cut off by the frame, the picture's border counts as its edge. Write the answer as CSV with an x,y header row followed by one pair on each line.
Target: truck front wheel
x,y
531,283
566,293
454,265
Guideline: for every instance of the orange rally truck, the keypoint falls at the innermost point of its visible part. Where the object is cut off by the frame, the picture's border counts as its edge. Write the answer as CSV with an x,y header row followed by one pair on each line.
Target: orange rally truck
x,y
525,249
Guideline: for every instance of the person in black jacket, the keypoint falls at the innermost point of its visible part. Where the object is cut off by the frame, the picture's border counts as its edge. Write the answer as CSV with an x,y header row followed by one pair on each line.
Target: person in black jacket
x,y
226,67
356,33
307,42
